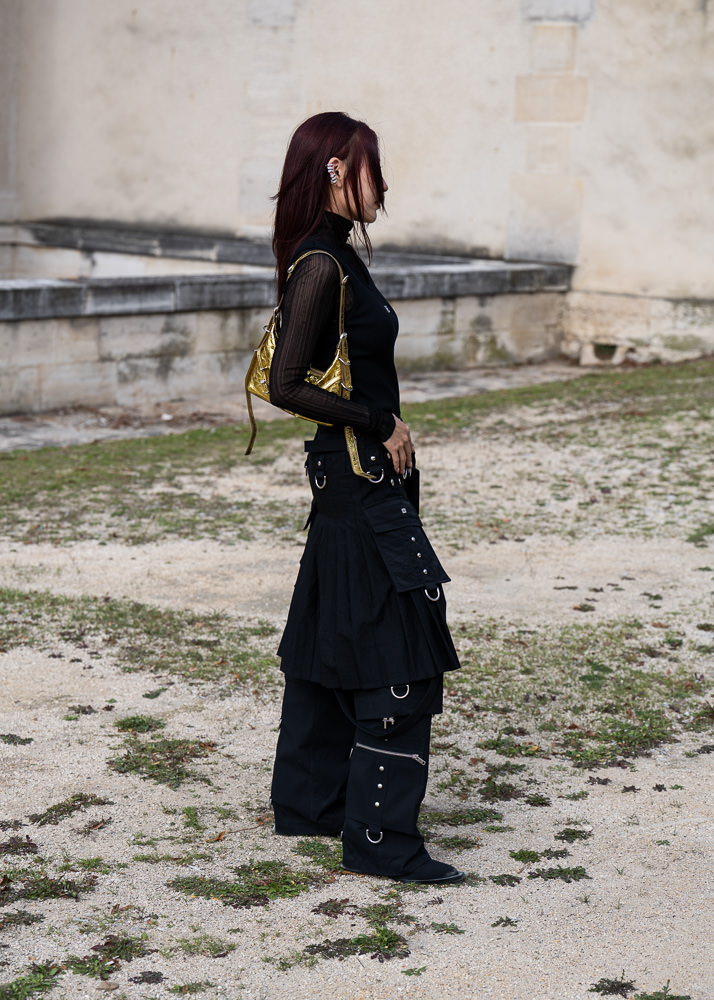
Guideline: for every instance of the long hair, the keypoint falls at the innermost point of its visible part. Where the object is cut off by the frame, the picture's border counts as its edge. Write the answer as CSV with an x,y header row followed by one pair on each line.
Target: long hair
x,y
304,191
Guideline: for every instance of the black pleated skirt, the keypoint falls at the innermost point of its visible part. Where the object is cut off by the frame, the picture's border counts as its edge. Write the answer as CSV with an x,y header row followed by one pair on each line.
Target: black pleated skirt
x,y
368,609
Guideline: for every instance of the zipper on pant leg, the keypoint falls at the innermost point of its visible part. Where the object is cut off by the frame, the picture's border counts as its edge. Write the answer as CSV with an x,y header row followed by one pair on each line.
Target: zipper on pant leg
x,y
393,753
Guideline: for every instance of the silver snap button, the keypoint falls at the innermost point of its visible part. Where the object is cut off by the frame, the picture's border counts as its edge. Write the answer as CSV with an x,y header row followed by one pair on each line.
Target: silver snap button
x,y
373,458
413,538
425,572
377,804
380,786
418,555
404,510
381,768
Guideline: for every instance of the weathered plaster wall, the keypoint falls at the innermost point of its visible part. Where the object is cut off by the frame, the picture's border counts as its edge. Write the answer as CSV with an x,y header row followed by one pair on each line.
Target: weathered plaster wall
x,y
646,153
575,130
9,101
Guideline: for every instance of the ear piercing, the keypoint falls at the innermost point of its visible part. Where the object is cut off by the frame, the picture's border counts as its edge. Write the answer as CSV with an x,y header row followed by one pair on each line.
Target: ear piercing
x,y
332,172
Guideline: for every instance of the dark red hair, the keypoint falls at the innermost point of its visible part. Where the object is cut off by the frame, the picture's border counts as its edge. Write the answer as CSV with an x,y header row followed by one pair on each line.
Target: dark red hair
x,y
304,191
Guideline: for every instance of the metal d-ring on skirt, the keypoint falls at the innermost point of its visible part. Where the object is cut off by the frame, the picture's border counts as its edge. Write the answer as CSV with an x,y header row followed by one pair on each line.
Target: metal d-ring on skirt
x,y
368,608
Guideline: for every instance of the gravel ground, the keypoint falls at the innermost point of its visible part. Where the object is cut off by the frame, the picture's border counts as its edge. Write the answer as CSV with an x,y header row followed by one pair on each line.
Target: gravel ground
x,y
644,913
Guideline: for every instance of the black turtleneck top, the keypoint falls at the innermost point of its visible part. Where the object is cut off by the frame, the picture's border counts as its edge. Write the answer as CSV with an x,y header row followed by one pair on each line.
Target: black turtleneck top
x,y
309,331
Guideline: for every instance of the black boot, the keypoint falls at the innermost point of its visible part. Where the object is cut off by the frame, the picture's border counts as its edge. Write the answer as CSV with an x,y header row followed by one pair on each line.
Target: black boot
x,y
386,785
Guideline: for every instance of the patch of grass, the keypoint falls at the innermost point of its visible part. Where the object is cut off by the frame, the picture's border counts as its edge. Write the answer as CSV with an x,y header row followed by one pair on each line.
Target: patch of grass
x,y
458,843
564,874
662,994
334,908
447,928
189,989
26,883
499,791
40,978
97,865
206,945
254,884
20,918
570,834
14,740
139,724
417,971
183,860
191,819
525,857
131,489
537,799
18,845
509,747
458,817
110,953
505,879
504,922
701,534
68,807
209,647
162,760
320,852
613,987
383,944
625,704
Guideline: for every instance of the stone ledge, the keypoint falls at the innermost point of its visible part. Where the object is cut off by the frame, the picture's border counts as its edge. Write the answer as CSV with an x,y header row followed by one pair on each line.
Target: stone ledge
x,y
46,298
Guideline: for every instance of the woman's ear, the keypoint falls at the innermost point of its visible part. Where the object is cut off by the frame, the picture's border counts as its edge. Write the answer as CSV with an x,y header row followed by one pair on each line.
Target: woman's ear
x,y
335,168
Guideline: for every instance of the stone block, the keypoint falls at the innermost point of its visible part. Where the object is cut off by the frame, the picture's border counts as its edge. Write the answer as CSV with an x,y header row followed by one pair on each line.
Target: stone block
x,y
592,318
237,291
143,336
107,296
25,344
75,340
20,390
146,380
548,149
551,97
536,329
553,48
230,330
39,299
579,11
92,384
612,328
544,220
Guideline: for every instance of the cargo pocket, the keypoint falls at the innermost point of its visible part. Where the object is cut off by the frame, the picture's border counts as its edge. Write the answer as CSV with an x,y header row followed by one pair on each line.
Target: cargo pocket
x,y
399,700
404,547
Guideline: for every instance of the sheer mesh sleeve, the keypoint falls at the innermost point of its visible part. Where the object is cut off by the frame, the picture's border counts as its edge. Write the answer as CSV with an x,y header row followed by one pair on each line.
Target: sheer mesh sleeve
x,y
308,336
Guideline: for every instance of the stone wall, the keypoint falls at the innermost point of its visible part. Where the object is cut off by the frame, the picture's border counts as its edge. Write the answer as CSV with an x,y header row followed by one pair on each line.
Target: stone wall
x,y
139,340
569,130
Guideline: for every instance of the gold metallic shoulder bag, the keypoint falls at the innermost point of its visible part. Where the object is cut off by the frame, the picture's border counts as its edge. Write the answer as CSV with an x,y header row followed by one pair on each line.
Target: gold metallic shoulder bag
x,y
336,378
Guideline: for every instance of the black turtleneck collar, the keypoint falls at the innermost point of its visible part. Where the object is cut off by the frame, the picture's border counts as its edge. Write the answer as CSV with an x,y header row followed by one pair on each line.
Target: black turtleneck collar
x,y
338,226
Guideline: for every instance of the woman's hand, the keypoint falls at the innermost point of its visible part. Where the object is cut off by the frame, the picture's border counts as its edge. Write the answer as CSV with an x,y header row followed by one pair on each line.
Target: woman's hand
x,y
400,447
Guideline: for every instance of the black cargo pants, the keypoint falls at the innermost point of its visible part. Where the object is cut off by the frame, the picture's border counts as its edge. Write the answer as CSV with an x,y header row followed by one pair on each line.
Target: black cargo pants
x,y
356,763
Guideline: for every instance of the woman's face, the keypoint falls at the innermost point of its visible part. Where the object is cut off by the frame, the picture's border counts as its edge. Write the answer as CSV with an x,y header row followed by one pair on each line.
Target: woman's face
x,y
340,201
369,198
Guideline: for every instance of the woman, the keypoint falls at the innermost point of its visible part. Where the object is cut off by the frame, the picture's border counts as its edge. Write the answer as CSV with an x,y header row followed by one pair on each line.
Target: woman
x,y
366,642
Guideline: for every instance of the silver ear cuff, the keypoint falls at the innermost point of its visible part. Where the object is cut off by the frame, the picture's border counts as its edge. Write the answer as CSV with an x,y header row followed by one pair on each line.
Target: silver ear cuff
x,y
332,172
